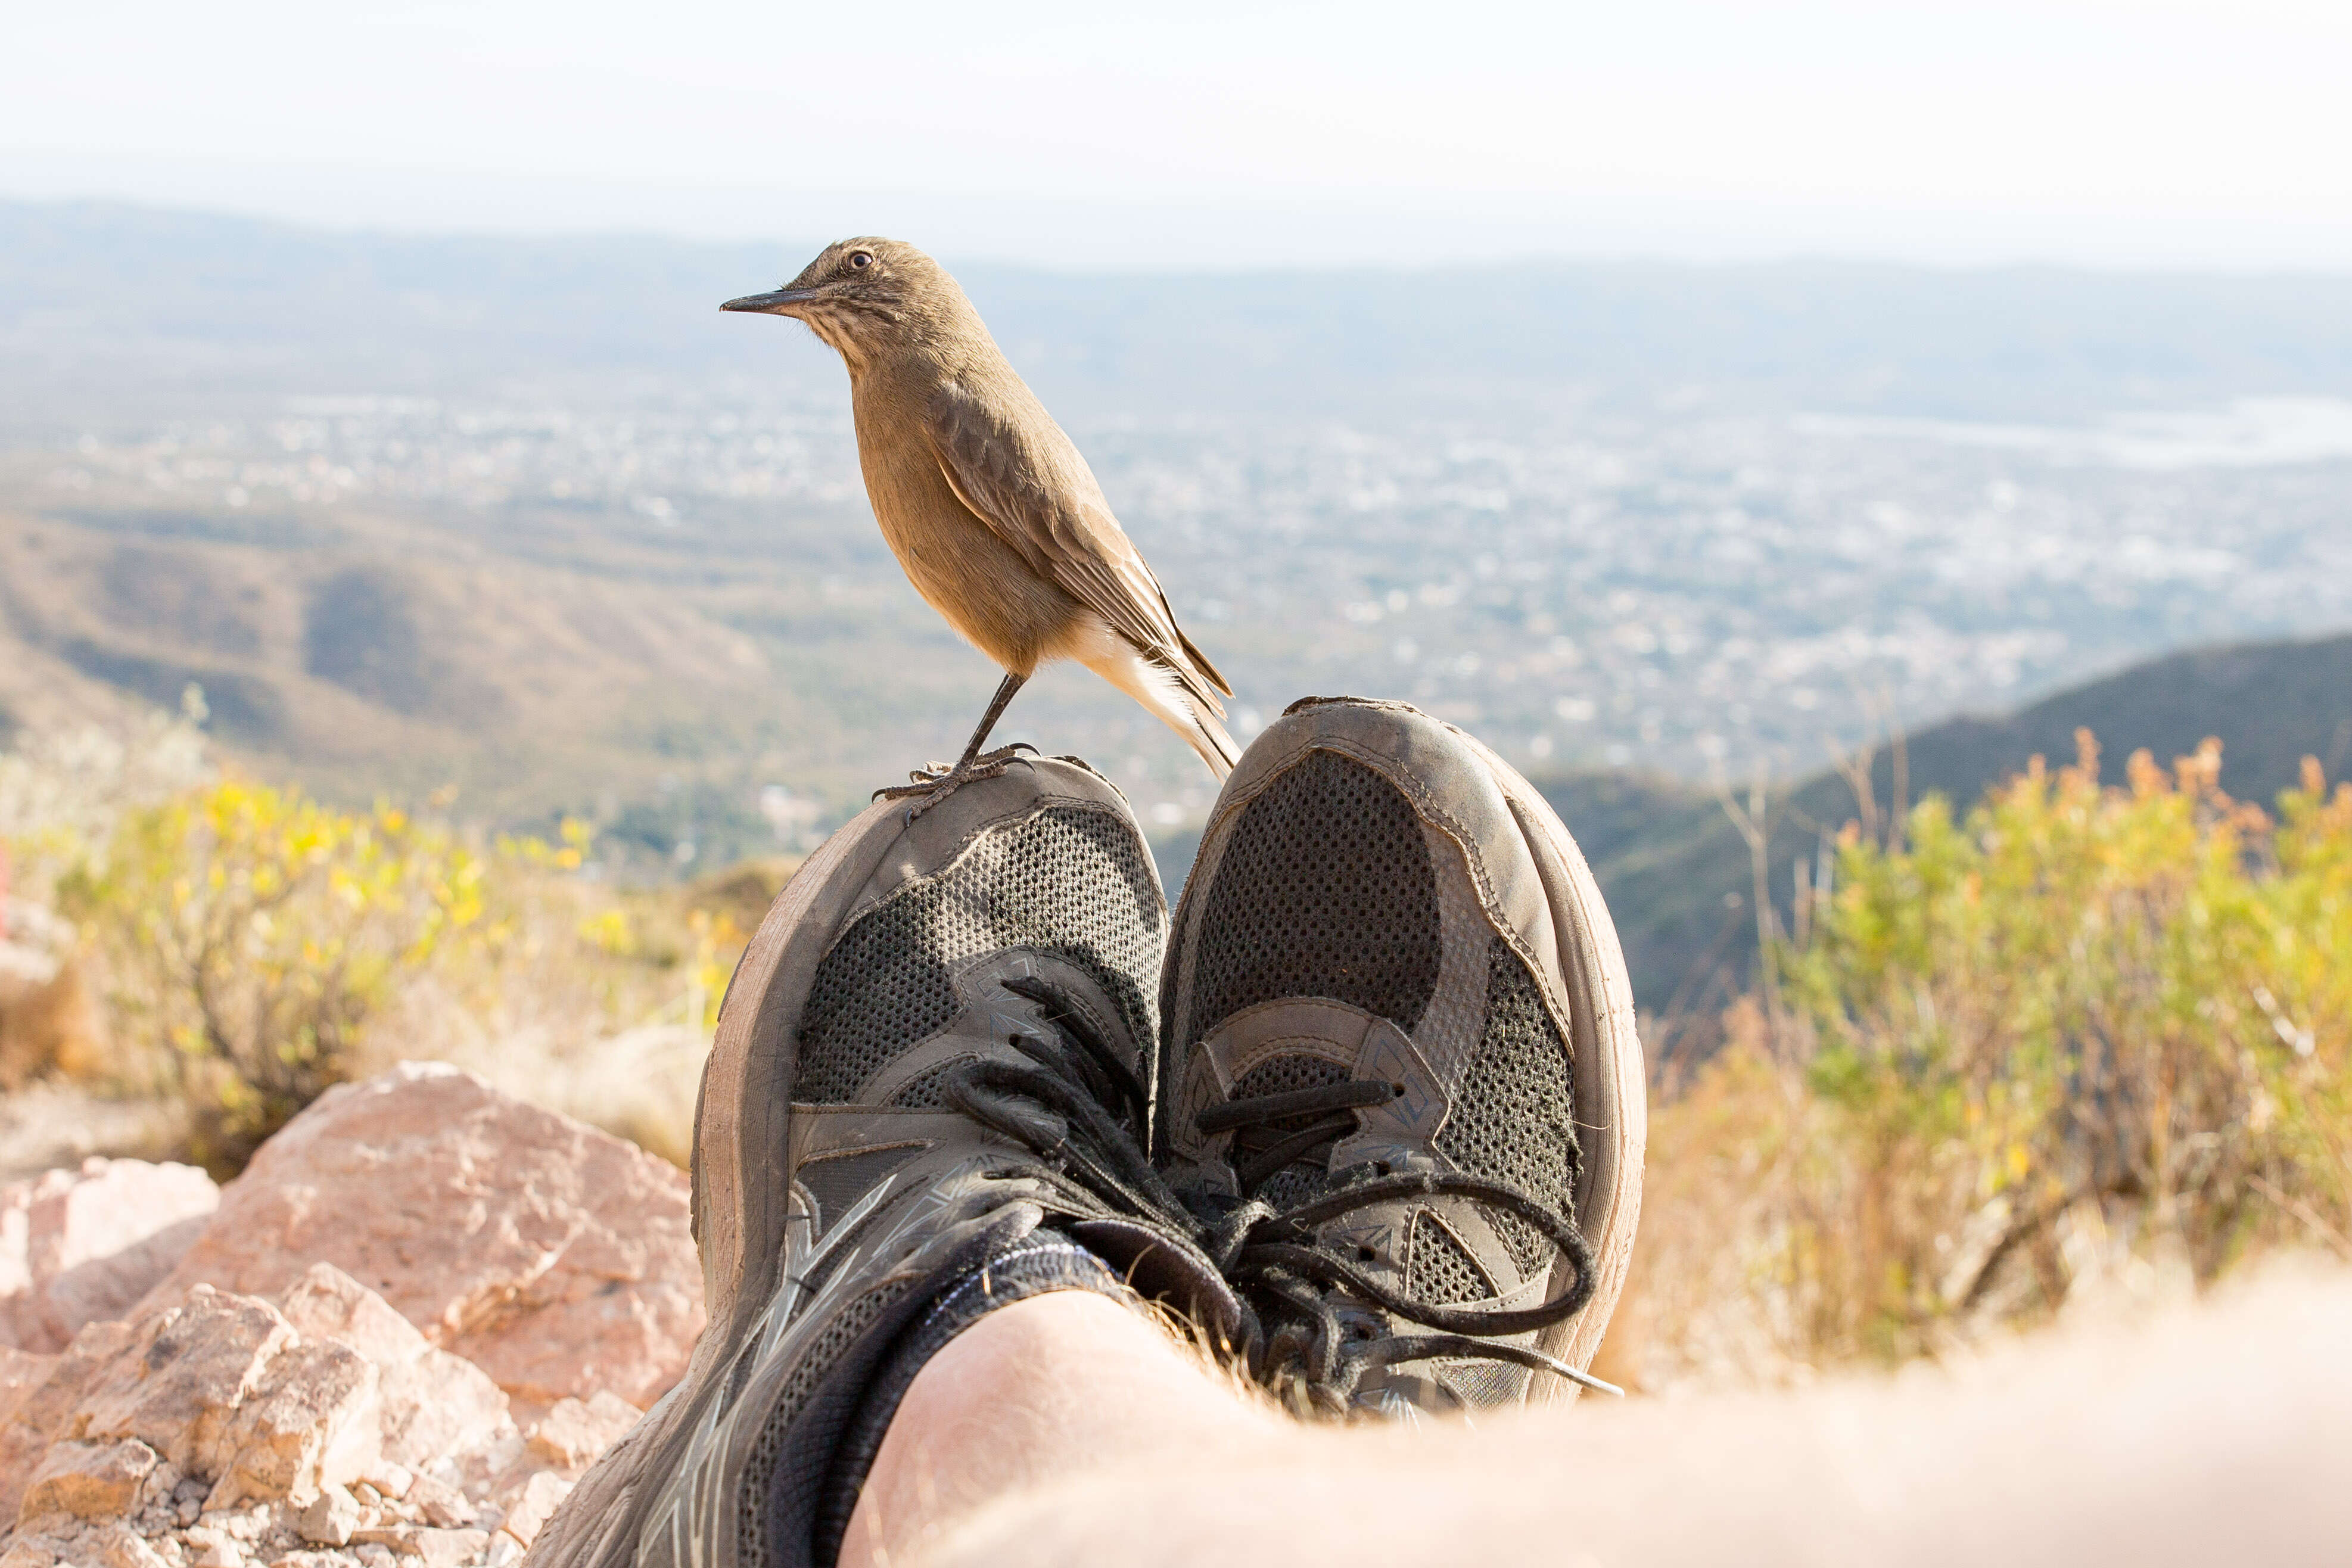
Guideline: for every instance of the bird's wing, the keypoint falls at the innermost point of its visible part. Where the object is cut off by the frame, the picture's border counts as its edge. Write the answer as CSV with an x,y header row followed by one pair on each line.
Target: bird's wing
x,y
1029,485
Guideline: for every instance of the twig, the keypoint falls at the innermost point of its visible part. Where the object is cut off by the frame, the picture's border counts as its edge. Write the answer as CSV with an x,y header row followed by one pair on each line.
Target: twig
x,y
2304,1211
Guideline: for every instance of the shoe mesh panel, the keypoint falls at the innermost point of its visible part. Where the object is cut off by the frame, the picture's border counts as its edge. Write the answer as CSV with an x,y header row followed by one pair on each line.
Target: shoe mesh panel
x,y
1483,1383
760,1468
1513,1119
1324,890
1071,881
923,1091
1441,1270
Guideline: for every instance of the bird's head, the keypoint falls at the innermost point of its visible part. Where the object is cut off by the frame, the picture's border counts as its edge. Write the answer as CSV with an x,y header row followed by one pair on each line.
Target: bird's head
x,y
863,297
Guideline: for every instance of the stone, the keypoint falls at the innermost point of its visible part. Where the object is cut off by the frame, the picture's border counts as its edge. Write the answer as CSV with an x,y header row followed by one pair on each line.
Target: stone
x,y
432,1402
214,1428
437,1548
391,1536
223,1389
439,1503
311,1425
124,1550
391,1480
90,1481
85,1245
575,1432
329,1519
555,1257
44,1406
178,1383
535,1505
20,1373
448,1548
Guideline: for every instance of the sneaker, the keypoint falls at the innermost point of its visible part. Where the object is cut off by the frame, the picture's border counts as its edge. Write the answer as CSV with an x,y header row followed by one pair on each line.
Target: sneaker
x,y
1400,1059
926,1098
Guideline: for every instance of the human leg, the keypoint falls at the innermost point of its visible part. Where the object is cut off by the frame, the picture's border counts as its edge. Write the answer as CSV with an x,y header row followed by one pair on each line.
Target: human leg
x,y
1040,1390
2216,1434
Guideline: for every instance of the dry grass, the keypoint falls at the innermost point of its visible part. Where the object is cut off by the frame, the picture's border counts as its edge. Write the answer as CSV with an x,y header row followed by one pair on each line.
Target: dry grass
x,y
2090,1044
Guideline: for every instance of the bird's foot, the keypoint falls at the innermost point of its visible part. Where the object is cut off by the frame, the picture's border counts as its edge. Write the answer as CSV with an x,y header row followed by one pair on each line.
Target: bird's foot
x,y
935,781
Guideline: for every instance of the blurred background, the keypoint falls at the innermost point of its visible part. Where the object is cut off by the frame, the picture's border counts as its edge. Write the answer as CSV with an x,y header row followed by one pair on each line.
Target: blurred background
x,y
429,627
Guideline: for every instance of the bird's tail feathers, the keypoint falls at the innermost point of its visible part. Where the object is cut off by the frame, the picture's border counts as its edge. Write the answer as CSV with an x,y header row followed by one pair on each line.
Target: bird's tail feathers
x,y
1207,671
1166,694
1208,737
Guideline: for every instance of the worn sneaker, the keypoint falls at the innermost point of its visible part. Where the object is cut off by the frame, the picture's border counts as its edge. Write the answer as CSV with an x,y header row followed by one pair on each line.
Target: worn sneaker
x,y
925,1099
1400,1055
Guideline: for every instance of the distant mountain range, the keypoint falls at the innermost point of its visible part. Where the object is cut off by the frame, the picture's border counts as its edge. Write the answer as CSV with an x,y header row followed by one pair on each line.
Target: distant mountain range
x,y
110,314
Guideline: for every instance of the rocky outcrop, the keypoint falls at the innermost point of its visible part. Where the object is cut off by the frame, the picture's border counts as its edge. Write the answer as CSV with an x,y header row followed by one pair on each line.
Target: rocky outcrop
x,y
554,1257
523,1285
83,1246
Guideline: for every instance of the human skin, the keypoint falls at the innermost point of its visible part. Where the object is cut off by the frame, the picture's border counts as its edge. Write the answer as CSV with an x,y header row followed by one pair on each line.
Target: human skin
x,y
1069,1430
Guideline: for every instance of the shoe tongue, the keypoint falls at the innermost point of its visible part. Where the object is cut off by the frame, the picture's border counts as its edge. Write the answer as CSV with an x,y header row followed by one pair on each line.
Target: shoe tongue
x,y
1308,1174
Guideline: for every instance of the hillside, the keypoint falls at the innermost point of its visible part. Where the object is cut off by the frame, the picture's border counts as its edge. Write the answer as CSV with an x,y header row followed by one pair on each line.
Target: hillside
x,y
370,654
1677,874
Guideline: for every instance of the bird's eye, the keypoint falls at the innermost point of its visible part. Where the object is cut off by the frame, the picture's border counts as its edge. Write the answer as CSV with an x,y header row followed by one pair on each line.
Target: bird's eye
x,y
861,259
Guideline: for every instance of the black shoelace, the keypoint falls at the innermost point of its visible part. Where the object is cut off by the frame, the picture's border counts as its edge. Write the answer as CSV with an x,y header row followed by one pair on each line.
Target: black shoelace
x,y
1059,1104
1316,1358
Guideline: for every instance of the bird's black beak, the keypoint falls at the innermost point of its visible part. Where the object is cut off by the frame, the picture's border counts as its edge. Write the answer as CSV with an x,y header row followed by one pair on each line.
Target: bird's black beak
x,y
779,303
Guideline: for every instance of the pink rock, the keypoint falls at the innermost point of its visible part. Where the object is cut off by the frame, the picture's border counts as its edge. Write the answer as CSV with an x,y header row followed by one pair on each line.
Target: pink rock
x,y
437,1548
575,1432
553,1257
44,1405
177,1382
443,1506
257,1401
311,1425
20,1373
90,1481
535,1504
431,1404
83,1246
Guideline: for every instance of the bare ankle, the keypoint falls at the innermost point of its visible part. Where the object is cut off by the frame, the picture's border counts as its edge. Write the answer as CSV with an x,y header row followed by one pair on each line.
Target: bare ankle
x,y
1033,1391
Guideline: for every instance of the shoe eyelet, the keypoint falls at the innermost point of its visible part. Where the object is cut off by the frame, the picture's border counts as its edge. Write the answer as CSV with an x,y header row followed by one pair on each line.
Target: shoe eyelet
x,y
1400,1089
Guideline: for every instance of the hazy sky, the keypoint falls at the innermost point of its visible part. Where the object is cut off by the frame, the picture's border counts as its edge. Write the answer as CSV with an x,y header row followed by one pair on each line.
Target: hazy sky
x,y
2104,132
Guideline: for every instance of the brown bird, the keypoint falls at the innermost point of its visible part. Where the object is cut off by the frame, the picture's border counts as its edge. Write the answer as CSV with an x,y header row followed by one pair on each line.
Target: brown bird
x,y
994,515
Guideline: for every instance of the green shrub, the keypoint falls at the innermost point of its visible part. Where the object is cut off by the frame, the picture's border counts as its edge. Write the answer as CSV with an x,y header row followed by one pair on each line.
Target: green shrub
x,y
251,932
2085,1030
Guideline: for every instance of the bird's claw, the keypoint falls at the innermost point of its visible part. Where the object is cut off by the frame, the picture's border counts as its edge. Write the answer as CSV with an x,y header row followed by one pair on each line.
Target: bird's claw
x,y
936,780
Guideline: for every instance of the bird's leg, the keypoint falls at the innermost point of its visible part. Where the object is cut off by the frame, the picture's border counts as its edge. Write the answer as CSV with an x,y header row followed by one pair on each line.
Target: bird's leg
x,y
935,784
